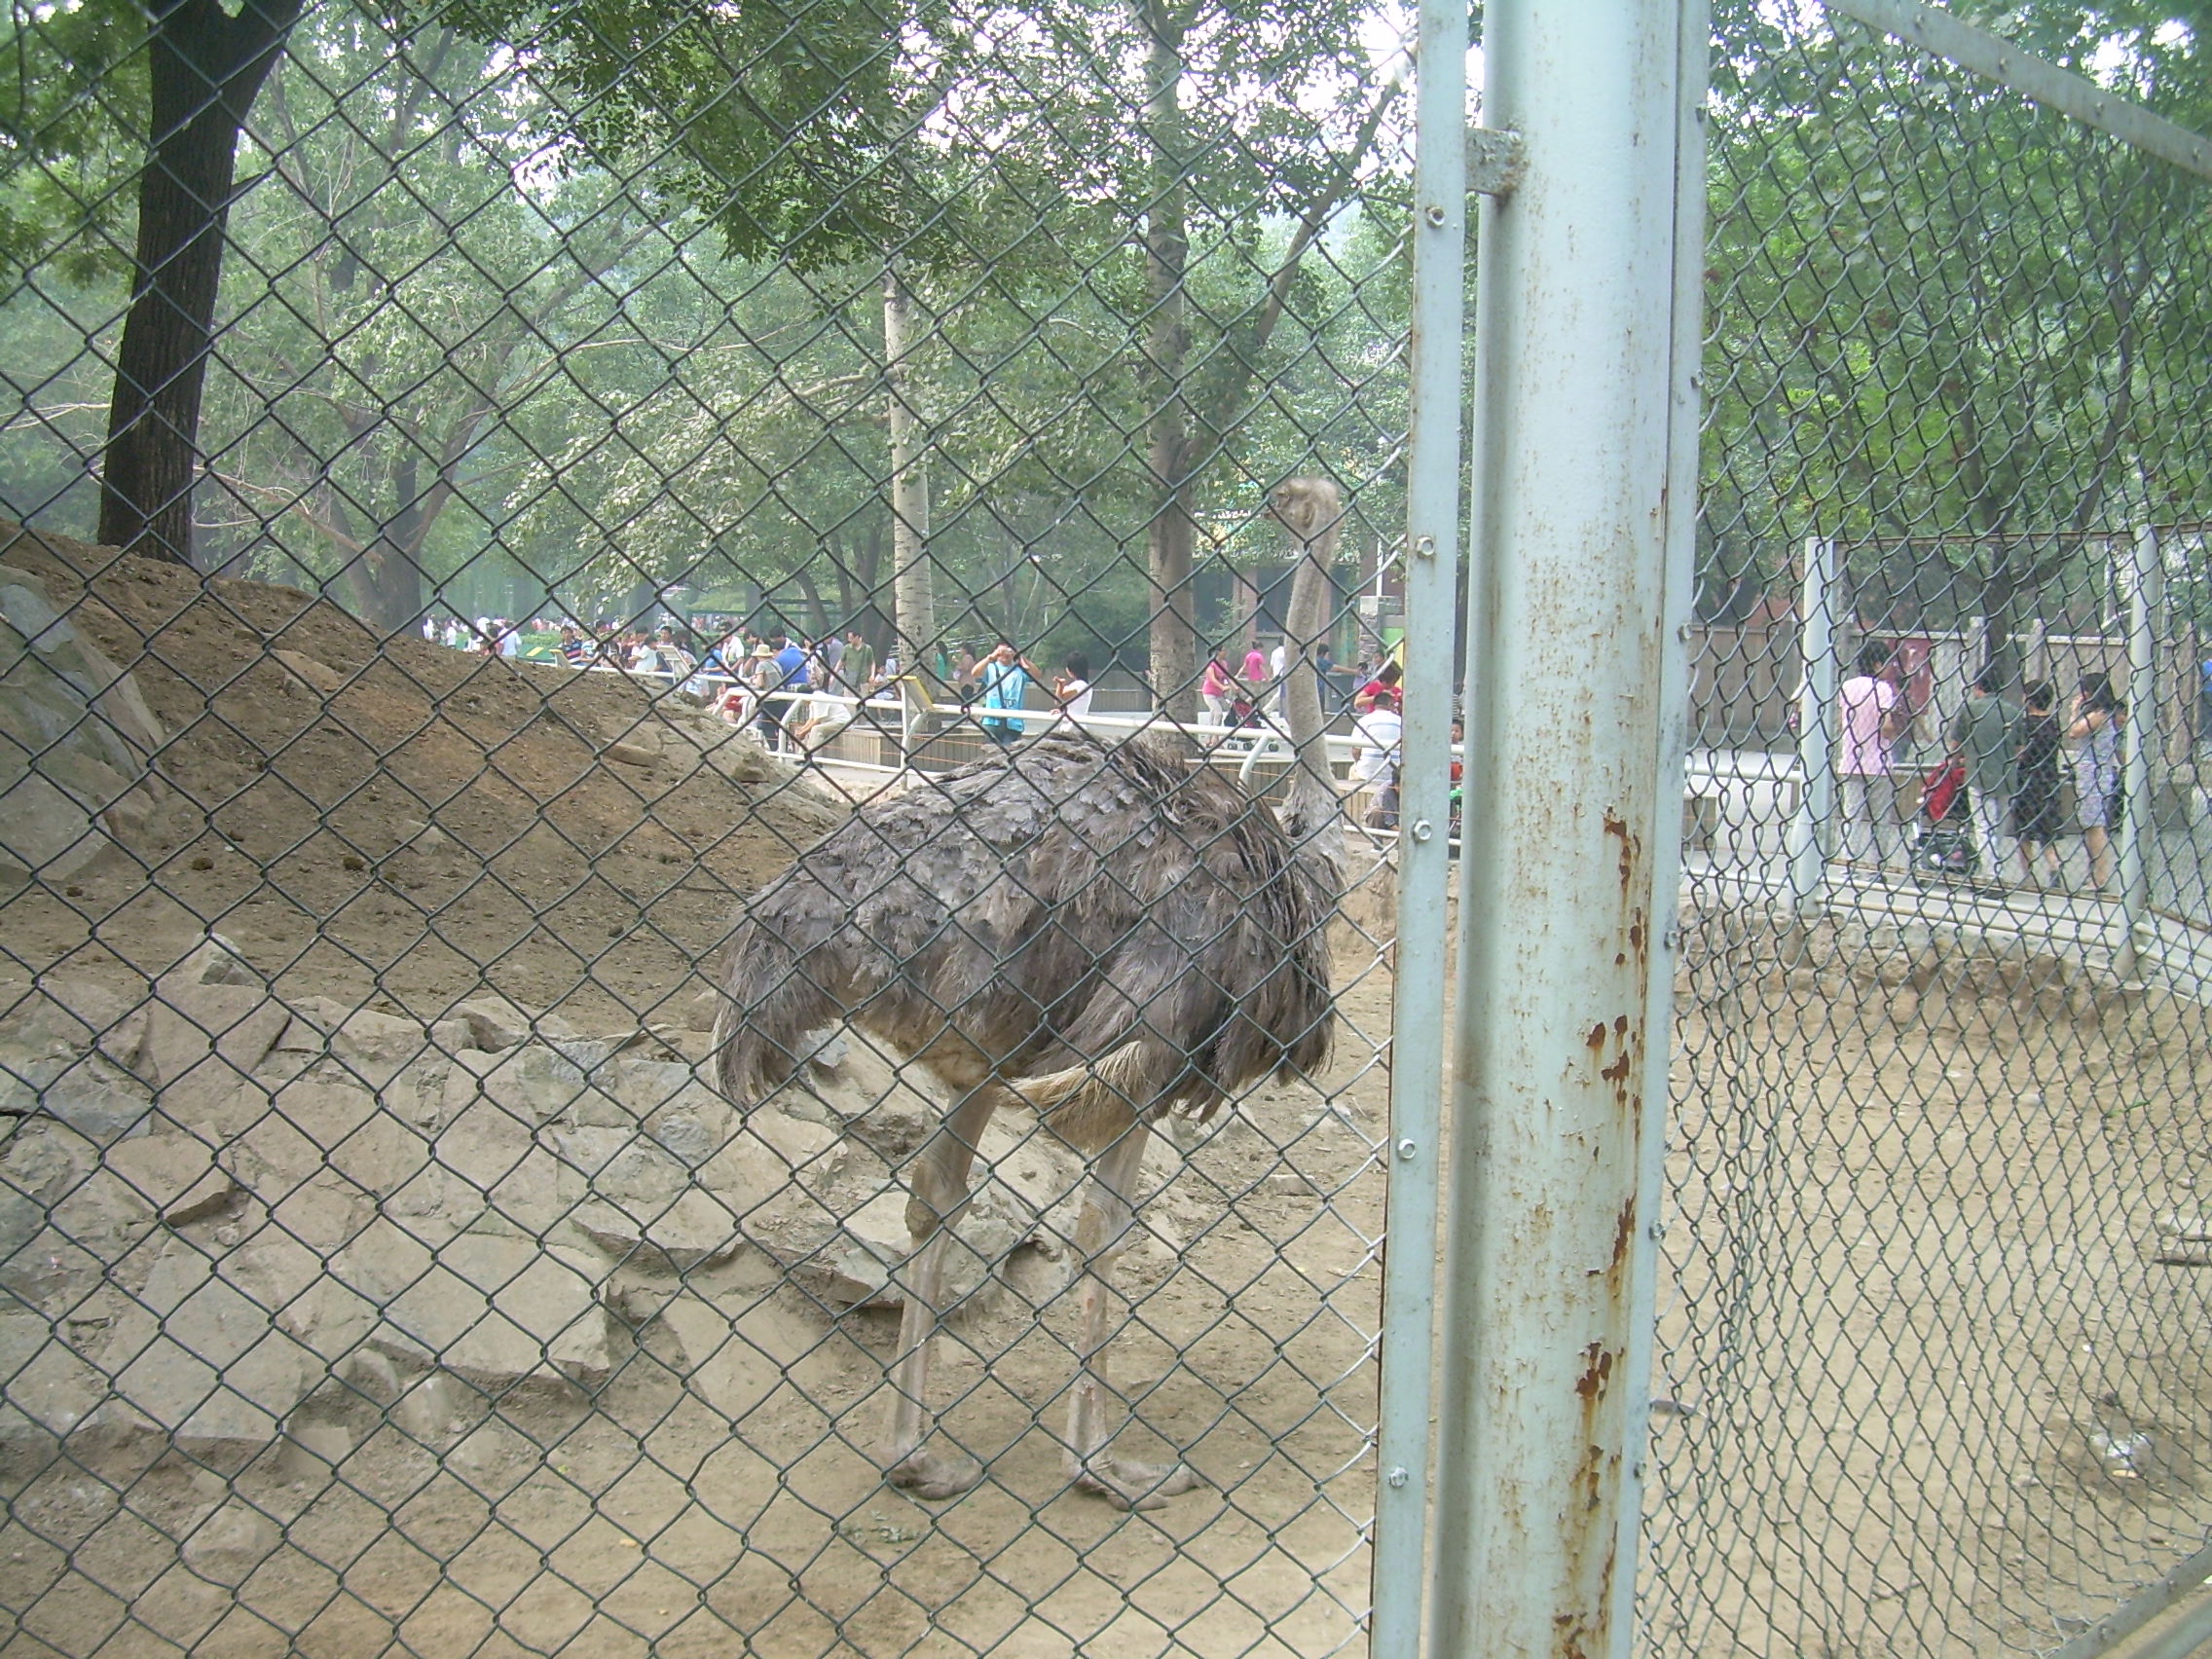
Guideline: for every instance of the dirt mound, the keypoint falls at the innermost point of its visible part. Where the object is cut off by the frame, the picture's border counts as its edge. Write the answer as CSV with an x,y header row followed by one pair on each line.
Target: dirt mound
x,y
398,822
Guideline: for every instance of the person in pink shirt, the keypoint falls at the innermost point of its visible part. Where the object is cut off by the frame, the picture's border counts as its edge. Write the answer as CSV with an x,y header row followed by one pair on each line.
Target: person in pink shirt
x,y
1214,689
1255,671
1873,715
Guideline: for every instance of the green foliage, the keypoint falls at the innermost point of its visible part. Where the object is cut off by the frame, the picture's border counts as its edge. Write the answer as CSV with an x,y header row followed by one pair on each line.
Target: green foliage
x,y
1939,312
73,86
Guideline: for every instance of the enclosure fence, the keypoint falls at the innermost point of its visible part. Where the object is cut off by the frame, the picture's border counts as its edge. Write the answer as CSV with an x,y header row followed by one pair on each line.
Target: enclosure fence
x,y
764,769
1930,1377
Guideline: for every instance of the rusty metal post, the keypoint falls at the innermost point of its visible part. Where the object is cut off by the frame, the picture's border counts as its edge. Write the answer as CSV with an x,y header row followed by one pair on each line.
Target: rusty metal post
x,y
1579,360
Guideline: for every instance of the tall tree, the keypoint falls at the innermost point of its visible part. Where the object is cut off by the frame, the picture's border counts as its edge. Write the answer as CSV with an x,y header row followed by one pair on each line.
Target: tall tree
x,y
207,66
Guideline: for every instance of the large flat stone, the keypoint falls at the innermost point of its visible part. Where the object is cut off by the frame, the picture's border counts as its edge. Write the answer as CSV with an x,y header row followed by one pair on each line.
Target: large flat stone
x,y
201,1360
491,1310
691,1229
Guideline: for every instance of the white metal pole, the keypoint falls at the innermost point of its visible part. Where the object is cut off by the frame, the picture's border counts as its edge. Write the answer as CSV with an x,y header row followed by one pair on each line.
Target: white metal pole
x,y
1423,852
1551,1063
2139,748
1816,733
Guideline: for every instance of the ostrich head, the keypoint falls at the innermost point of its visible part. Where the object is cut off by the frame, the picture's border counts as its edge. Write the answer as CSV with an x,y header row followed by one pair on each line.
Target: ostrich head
x,y
1311,511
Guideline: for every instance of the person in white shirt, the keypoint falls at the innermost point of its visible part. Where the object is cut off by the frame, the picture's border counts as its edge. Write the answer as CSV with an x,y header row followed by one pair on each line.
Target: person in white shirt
x,y
1376,737
1072,688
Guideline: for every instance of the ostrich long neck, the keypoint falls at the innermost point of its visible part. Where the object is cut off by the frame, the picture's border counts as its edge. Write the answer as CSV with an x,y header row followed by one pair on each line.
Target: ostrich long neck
x,y
1313,802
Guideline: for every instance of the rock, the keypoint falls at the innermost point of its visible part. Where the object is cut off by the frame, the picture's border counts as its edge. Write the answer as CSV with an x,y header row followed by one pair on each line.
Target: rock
x,y
324,1214
215,961
67,1053
196,1357
685,1138
647,1087
640,1174
493,1310
539,1083
49,1390
688,1231
63,1017
175,1174
495,1024
202,1042
636,1302
344,1127
231,1543
836,1214
92,1094
103,1216
75,739
315,675
376,1047
313,1447
20,1219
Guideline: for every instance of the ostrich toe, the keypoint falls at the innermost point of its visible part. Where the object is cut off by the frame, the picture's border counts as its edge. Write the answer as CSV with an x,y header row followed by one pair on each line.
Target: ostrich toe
x,y
935,1475
1127,1484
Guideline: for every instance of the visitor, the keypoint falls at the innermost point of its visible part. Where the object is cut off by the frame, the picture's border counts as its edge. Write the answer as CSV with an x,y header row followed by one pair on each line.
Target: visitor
x,y
2036,799
1005,678
1982,738
2095,730
1873,714
1377,737
1214,688
1388,679
1073,689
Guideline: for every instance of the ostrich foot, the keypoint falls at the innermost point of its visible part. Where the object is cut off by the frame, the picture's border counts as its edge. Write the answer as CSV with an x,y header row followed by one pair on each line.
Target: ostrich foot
x,y
1127,1484
935,1475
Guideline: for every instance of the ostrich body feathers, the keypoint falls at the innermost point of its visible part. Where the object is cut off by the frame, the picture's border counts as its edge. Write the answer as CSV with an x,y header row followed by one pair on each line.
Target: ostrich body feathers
x,y
1109,931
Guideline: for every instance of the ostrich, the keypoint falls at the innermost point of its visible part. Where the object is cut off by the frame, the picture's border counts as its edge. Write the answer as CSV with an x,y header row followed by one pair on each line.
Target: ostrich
x,y
1106,933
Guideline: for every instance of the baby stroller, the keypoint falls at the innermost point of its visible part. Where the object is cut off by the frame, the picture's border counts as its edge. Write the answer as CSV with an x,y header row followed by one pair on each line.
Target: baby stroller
x,y
1945,844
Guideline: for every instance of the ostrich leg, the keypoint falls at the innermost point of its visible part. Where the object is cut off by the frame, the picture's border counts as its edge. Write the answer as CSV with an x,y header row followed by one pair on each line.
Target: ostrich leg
x,y
1107,1210
941,1196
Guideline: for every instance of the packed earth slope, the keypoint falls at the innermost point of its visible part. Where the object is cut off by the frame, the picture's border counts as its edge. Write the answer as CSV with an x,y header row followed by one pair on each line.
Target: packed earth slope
x,y
391,820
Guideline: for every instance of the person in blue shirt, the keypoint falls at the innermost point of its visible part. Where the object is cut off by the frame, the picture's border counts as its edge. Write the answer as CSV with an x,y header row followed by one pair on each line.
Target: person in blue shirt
x,y
1005,679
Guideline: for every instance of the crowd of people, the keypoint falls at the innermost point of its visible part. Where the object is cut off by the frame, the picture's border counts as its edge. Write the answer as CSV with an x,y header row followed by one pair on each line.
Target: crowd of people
x,y
785,686
2016,759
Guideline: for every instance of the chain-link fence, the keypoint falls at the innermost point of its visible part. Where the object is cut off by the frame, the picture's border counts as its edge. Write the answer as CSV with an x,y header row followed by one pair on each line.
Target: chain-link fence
x,y
1932,1377
553,527
594,905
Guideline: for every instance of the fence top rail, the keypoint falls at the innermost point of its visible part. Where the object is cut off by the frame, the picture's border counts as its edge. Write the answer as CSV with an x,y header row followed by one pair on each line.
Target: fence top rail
x,y
2033,78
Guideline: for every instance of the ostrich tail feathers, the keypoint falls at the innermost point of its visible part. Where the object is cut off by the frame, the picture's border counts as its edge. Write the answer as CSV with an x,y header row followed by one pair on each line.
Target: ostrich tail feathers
x,y
766,1015
1088,1106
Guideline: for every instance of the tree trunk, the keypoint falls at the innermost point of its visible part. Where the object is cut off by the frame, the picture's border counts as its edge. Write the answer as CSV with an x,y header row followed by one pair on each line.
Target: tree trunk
x,y
914,595
817,617
205,68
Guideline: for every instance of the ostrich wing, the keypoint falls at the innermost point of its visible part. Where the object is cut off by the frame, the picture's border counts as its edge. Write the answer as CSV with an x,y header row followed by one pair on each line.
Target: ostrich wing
x,y
1107,928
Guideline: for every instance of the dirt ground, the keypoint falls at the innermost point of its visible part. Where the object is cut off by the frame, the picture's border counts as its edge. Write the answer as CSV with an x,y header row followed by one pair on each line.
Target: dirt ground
x,y
1926,1387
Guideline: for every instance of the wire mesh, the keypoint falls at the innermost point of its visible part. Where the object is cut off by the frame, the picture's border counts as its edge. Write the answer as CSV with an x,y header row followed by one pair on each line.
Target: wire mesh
x,y
1929,1379
547,528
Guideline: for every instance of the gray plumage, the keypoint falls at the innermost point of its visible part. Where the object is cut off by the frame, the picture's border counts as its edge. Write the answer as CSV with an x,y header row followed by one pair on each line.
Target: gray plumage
x,y
1110,930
